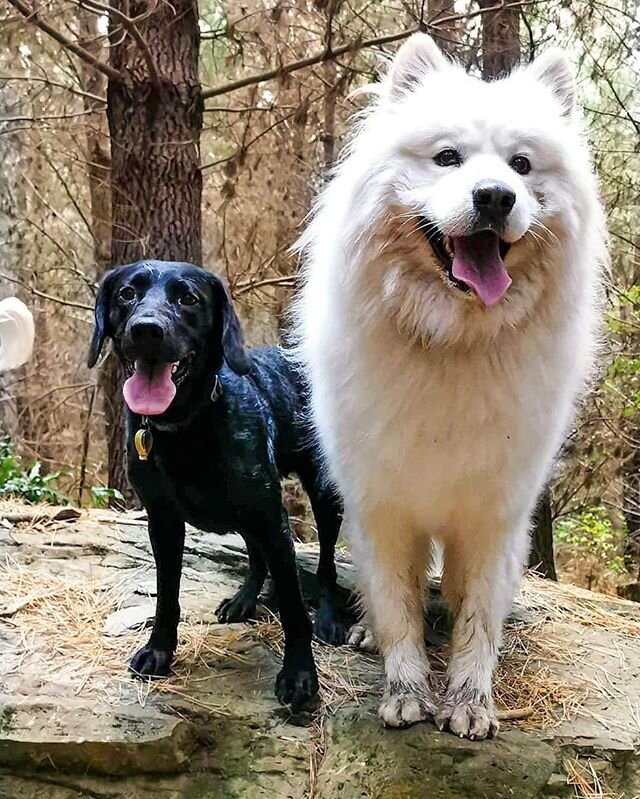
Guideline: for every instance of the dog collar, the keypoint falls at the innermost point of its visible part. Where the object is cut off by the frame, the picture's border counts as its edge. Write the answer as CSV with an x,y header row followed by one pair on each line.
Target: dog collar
x,y
143,438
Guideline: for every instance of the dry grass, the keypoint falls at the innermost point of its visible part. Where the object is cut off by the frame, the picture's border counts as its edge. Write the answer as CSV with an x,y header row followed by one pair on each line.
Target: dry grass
x,y
564,602
345,675
585,780
524,679
60,622
525,684
66,616
527,694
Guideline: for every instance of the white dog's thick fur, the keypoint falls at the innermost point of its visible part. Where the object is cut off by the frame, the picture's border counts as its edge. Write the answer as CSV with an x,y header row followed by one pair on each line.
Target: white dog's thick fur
x,y
16,333
440,416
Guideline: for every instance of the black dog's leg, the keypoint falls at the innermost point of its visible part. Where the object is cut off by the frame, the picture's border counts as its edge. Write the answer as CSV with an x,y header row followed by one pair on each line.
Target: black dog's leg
x,y
166,531
242,605
329,625
297,683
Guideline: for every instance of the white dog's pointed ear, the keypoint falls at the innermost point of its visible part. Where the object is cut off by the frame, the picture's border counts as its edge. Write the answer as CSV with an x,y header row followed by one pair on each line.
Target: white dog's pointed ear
x,y
553,69
417,56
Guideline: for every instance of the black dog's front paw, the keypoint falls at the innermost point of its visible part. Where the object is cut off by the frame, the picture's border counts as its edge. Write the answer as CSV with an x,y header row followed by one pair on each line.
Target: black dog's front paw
x,y
297,683
150,662
239,607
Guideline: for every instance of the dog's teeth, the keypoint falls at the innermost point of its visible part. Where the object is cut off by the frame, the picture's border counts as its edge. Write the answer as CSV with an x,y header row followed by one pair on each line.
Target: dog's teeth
x,y
174,368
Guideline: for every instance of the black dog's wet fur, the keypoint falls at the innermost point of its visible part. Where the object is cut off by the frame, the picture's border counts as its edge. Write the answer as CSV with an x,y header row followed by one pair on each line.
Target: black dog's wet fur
x,y
217,463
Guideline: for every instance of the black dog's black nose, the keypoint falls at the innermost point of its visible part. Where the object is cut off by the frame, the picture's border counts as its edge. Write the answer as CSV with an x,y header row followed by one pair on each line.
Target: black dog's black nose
x,y
147,330
493,201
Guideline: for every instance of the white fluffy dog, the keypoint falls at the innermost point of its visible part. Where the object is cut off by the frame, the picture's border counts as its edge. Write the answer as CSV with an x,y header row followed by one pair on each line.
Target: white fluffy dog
x,y
447,321
16,333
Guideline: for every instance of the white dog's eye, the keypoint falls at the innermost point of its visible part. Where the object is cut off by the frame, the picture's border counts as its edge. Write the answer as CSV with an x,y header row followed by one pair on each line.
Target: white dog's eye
x,y
520,164
448,157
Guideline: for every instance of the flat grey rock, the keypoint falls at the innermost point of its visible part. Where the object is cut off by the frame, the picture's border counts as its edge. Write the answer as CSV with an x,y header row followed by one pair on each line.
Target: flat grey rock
x,y
73,723
126,620
69,735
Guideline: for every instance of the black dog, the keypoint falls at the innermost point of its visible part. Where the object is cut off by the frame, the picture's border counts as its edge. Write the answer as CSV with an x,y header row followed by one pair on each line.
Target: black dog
x,y
211,428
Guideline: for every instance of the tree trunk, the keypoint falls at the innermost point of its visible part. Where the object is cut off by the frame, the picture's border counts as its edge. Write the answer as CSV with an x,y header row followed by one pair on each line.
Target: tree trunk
x,y
630,466
12,201
97,138
155,120
98,157
329,114
500,40
541,557
631,503
447,35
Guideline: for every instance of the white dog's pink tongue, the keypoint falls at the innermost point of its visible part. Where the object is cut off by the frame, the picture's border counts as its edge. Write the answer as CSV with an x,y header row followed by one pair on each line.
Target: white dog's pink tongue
x,y
477,262
150,394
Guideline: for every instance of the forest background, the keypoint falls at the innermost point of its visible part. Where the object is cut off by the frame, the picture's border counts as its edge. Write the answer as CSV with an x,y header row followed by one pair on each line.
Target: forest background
x,y
166,129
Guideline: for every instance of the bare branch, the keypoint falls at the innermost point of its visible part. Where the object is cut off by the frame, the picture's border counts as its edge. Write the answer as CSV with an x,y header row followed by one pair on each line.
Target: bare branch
x,y
34,79
330,53
44,296
288,281
129,24
48,117
294,66
32,16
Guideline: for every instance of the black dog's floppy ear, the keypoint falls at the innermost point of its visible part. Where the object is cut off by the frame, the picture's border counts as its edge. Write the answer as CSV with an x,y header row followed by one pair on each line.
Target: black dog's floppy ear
x,y
232,340
101,315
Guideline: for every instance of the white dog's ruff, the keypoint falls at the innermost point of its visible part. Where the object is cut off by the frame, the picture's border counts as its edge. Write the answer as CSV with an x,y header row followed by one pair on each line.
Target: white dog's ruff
x,y
448,333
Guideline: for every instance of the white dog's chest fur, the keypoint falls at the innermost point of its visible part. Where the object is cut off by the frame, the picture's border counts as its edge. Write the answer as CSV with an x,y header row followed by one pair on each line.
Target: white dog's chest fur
x,y
445,433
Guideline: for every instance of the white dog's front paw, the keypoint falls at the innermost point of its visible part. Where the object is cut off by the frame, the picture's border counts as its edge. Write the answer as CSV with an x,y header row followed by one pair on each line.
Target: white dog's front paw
x,y
468,718
403,705
362,637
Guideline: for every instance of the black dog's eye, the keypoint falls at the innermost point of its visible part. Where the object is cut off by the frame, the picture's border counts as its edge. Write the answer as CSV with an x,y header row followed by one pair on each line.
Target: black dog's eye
x,y
189,299
520,164
127,293
448,157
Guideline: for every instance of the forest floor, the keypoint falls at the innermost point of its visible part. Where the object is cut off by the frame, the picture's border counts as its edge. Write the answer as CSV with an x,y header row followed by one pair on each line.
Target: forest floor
x,y
77,591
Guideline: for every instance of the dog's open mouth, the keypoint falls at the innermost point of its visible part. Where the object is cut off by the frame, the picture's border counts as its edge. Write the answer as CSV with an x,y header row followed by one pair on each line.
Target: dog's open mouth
x,y
471,263
151,387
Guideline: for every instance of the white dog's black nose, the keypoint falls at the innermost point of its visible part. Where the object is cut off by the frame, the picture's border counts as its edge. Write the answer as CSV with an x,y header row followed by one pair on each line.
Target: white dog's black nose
x,y
493,201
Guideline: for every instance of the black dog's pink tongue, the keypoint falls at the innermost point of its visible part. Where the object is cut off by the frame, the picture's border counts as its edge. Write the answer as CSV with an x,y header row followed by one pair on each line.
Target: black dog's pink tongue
x,y
152,393
477,262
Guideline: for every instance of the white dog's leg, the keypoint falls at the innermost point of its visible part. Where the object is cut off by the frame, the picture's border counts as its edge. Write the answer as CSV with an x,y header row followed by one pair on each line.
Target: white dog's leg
x,y
361,634
480,586
392,563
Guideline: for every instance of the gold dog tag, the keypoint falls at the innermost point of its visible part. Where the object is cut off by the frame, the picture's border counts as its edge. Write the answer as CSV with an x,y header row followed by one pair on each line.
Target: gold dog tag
x,y
143,441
